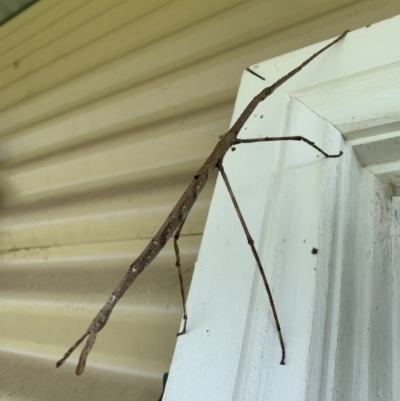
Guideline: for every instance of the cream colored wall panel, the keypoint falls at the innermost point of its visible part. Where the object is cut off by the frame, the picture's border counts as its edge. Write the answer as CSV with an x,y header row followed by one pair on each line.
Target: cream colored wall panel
x,y
178,15
118,158
85,25
26,18
71,24
52,15
86,273
64,269
126,110
200,41
136,336
42,382
130,213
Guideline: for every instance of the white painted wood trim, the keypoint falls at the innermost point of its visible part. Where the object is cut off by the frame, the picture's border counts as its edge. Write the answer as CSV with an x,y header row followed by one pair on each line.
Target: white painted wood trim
x,y
335,307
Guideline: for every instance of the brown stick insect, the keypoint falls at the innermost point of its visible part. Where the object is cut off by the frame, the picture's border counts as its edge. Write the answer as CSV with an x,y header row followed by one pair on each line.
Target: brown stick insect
x,y
176,219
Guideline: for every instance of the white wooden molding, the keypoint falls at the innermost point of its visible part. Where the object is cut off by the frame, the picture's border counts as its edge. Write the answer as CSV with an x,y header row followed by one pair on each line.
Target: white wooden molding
x,y
338,307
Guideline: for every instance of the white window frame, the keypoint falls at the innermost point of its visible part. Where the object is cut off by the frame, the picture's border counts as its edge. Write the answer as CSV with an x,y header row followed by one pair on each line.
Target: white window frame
x,y
337,308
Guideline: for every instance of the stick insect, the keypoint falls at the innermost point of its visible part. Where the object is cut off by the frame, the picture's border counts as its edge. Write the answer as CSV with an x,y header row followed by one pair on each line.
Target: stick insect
x,y
176,219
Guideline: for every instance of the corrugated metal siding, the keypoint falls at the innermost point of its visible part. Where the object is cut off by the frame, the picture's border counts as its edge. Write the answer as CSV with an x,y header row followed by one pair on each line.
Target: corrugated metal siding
x,y
106,109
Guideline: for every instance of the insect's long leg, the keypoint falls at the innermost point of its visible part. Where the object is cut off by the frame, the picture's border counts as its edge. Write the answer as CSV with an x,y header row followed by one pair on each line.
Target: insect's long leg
x,y
178,265
286,138
253,249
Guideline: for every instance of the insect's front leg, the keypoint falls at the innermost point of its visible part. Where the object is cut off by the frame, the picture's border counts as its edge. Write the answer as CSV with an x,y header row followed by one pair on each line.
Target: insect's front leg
x,y
286,138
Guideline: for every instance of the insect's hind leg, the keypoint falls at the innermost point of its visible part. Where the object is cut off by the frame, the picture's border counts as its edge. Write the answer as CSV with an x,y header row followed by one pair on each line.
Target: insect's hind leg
x,y
178,265
286,138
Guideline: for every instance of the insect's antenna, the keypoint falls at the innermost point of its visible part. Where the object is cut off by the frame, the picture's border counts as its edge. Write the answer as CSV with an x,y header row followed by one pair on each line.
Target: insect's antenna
x,y
280,81
255,74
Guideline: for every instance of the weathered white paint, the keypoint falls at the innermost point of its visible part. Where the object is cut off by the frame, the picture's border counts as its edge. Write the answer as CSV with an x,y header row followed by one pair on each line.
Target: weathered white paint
x,y
335,307
396,294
